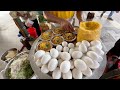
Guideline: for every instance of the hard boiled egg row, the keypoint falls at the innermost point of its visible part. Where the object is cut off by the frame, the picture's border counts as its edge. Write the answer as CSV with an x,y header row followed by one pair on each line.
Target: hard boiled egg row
x,y
69,60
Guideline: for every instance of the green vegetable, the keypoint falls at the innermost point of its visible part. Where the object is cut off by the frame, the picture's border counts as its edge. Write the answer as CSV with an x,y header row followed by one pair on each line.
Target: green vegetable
x,y
26,71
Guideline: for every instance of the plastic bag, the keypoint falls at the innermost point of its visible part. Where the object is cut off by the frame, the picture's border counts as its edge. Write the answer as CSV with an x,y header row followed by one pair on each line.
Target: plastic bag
x,y
89,30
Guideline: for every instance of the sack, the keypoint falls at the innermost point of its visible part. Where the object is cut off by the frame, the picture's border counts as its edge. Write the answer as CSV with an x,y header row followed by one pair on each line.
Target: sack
x,y
90,16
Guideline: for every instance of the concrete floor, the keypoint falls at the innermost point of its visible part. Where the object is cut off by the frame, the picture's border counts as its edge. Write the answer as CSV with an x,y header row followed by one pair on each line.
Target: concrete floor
x,y
9,31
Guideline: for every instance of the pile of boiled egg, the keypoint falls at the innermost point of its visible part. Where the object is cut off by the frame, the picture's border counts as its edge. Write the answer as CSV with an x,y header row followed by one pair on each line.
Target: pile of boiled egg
x,y
69,61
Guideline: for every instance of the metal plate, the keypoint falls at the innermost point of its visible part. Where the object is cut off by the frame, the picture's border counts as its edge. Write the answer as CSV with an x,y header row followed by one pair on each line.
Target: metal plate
x,y
96,74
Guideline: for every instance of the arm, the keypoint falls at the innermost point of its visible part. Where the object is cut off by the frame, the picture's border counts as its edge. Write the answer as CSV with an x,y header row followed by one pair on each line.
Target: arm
x,y
79,15
64,23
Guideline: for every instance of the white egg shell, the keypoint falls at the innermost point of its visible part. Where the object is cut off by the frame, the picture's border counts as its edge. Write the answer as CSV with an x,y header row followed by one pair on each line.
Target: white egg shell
x,y
54,53
95,42
56,73
72,64
86,43
80,64
38,63
65,56
64,44
67,75
71,45
65,49
82,48
97,50
59,48
77,74
52,65
45,59
44,69
59,62
100,59
77,44
47,53
93,55
65,66
71,51
39,54
95,65
87,60
77,54
87,72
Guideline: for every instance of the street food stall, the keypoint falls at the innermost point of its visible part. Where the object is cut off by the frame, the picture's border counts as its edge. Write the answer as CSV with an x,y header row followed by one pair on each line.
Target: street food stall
x,y
61,54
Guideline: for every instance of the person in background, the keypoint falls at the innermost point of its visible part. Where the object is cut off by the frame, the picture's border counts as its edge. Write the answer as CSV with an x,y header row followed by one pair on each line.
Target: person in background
x,y
62,18
113,61
109,16
26,16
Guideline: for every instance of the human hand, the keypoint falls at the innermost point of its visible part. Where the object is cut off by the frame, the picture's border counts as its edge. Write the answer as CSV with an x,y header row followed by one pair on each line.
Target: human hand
x,y
66,25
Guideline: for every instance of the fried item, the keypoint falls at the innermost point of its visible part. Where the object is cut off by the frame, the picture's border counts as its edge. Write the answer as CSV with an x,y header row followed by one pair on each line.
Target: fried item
x,y
46,35
45,45
57,40
69,36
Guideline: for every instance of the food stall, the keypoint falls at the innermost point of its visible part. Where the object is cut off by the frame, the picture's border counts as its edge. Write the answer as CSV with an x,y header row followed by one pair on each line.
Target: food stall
x,y
61,54
67,55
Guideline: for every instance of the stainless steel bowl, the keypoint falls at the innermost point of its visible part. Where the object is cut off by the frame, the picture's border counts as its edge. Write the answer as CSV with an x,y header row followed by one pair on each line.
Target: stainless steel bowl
x,y
5,71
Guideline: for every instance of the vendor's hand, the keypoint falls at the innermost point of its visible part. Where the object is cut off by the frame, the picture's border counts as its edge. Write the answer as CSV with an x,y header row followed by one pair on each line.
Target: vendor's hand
x,y
66,25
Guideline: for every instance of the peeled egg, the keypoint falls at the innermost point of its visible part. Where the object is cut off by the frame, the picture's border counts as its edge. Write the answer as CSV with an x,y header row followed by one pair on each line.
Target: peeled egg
x,y
77,74
38,63
86,43
52,64
65,56
65,49
78,43
67,75
95,65
71,51
71,45
88,61
45,58
80,65
82,48
72,64
44,69
65,66
54,53
59,62
39,54
76,49
97,50
87,72
59,48
56,73
64,44
95,42
77,54
92,55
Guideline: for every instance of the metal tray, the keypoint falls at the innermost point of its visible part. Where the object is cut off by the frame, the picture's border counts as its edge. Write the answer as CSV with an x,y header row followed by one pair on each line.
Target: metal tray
x,y
4,71
96,74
